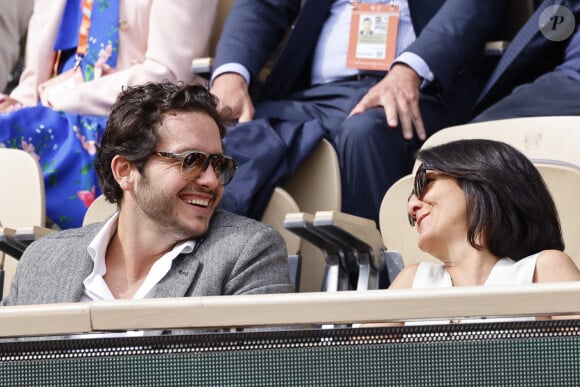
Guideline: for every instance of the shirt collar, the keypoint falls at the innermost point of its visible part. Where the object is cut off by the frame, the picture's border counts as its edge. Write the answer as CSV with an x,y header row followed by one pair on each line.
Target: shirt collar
x,y
97,250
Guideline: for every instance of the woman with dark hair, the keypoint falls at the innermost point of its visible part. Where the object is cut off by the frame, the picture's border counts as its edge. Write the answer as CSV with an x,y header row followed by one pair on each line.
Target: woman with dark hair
x,y
483,210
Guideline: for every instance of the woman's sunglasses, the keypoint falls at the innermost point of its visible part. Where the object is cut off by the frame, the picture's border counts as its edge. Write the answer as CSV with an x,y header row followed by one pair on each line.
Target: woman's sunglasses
x,y
418,188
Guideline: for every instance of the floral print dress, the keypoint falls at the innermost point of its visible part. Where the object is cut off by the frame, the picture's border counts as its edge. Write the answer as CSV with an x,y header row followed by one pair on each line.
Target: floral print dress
x,y
65,144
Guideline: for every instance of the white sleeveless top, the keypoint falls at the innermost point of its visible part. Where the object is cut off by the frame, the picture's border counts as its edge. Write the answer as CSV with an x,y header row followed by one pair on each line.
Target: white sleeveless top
x,y
505,272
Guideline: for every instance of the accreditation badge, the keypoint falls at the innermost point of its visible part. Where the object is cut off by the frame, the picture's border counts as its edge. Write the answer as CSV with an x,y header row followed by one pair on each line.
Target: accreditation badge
x,y
373,36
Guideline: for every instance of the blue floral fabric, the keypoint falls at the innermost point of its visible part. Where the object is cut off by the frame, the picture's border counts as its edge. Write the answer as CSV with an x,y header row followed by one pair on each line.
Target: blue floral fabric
x,y
64,143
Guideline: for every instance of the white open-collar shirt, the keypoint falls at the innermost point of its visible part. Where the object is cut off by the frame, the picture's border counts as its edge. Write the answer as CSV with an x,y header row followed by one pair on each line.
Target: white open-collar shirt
x,y
95,286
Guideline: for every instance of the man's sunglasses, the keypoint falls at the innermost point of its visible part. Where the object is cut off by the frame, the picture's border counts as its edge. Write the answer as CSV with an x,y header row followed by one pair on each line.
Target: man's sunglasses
x,y
194,162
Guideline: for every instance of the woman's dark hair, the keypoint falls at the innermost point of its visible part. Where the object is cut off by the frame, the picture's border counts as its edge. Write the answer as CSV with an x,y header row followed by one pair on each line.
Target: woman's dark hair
x,y
509,208
132,127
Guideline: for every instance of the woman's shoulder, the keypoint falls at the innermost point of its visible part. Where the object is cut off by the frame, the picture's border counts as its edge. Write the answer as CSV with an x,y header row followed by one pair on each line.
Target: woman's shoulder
x,y
423,275
554,266
405,278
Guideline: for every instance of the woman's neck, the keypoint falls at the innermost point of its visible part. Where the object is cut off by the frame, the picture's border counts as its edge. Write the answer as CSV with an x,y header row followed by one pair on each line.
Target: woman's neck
x,y
470,267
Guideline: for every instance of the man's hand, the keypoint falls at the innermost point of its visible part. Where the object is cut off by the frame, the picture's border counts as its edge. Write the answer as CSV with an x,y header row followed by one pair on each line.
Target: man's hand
x,y
232,91
398,93
8,104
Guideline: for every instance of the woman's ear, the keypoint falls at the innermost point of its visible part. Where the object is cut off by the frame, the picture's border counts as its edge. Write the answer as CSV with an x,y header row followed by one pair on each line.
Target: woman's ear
x,y
123,172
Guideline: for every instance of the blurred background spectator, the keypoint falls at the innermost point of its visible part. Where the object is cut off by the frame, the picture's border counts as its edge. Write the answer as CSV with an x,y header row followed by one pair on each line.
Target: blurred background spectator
x,y
14,16
58,110
539,73
310,93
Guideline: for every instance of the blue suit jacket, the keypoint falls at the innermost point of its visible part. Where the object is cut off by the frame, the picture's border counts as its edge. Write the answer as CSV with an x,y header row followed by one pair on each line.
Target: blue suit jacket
x,y
451,37
528,56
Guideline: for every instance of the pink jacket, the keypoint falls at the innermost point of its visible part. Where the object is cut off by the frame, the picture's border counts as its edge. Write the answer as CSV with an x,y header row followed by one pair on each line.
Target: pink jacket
x,y
157,40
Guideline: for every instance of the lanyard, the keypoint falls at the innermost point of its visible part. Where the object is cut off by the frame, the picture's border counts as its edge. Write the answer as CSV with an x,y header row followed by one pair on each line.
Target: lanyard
x,y
83,41
87,9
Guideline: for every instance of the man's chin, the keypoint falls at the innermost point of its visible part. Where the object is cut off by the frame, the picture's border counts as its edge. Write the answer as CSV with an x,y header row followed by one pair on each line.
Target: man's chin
x,y
198,229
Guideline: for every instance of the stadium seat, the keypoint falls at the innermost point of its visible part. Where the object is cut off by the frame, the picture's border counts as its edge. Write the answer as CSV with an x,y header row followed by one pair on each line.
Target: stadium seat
x,y
543,137
22,206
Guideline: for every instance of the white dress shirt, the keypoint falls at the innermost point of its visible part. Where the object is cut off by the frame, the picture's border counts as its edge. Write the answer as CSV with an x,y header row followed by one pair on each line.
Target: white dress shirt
x,y
329,62
95,286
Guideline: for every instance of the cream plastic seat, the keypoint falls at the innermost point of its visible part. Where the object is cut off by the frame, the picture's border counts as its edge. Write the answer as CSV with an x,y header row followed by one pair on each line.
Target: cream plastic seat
x,y
316,183
99,210
22,200
279,205
563,181
545,137
315,186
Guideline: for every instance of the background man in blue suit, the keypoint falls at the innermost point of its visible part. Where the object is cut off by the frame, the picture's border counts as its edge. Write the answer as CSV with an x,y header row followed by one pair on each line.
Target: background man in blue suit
x,y
539,74
376,120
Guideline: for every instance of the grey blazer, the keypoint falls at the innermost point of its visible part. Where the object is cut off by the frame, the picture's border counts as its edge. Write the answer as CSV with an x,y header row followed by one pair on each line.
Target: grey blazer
x,y
237,255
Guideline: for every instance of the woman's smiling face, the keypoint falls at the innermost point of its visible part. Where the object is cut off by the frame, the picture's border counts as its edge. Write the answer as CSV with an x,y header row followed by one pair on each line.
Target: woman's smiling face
x,y
440,213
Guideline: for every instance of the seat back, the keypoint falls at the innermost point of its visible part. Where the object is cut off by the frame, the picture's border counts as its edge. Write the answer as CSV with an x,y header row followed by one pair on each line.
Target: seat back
x,y
563,181
22,200
546,137
99,210
315,186
397,233
279,205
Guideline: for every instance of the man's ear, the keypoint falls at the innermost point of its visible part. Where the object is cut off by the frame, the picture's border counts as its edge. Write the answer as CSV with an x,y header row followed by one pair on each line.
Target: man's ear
x,y
123,172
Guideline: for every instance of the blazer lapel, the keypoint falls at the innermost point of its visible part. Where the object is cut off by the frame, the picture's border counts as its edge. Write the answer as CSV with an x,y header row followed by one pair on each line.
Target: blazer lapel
x,y
73,288
525,37
181,277
291,65
422,11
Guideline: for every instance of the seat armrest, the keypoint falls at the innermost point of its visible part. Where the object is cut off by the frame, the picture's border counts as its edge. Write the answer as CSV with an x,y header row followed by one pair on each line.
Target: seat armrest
x,y
496,48
14,241
202,66
39,231
361,233
362,240
335,277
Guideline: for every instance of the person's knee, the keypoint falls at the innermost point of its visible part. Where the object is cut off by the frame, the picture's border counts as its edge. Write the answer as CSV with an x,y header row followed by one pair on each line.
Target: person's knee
x,y
362,129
